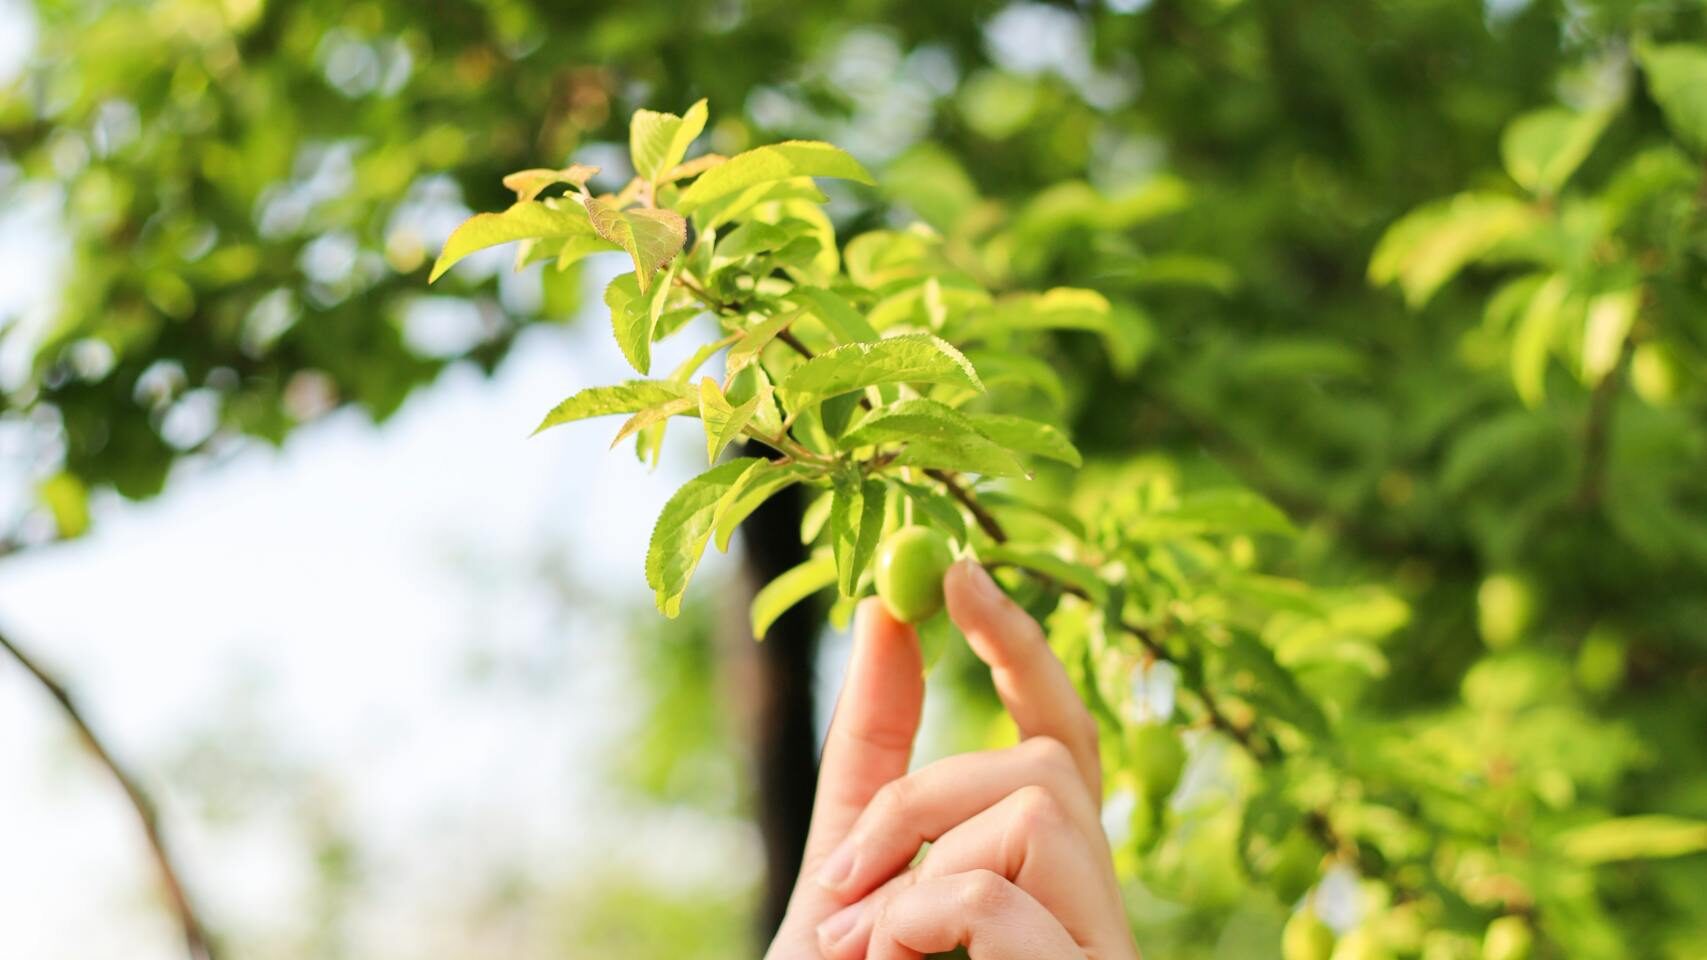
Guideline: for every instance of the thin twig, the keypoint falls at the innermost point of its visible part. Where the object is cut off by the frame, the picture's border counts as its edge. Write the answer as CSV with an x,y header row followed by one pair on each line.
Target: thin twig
x,y
194,931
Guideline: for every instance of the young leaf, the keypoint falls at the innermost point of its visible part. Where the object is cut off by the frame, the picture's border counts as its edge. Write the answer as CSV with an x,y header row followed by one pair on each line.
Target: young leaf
x,y
915,358
1634,838
522,221
723,421
684,526
757,337
634,316
788,589
630,397
528,183
654,416
734,206
651,237
781,161
1063,308
1677,75
763,481
1534,338
658,141
1027,436
856,522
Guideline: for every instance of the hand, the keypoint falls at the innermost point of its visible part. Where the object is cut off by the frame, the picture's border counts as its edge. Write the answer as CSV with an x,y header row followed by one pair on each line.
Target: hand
x,y
1018,867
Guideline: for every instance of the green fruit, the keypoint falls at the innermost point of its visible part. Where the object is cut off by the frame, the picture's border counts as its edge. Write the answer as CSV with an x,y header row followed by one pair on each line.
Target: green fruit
x,y
1508,938
910,565
1306,937
1158,759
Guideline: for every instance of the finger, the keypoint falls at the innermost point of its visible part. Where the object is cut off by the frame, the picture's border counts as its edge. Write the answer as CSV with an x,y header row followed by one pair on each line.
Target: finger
x,y
979,910
871,735
1032,840
927,803
1030,680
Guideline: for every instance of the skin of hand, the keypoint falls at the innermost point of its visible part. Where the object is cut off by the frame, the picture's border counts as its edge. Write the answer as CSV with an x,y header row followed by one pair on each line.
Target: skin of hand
x,y
1018,867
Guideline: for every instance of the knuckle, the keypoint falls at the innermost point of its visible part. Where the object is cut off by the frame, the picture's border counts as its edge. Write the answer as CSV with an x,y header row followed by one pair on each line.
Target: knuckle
x,y
1052,755
985,893
893,800
1036,812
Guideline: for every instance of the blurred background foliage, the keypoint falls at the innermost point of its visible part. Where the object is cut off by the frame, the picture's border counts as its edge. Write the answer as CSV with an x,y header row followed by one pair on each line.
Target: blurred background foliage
x,y
252,191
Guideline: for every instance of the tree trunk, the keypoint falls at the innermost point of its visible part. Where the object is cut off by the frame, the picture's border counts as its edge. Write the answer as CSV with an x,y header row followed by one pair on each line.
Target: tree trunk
x,y
784,736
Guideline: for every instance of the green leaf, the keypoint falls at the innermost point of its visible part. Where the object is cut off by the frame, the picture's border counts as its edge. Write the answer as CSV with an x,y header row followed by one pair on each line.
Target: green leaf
x,y
1610,317
1027,436
754,341
1430,245
634,317
651,237
936,436
1063,308
723,421
915,358
1542,149
684,526
781,161
1634,838
939,508
844,322
528,183
658,141
630,397
734,206
523,221
788,589
856,522
1677,77
757,485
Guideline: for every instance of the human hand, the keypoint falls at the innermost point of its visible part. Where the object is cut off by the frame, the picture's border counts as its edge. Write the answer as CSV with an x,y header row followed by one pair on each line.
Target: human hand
x,y
1018,865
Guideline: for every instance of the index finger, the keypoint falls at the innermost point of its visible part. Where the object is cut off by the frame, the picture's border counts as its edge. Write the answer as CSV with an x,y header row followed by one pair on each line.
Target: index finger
x,y
1029,678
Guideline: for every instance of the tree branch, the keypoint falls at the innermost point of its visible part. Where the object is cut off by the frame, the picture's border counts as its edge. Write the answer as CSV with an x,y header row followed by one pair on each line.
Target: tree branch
x,y
194,931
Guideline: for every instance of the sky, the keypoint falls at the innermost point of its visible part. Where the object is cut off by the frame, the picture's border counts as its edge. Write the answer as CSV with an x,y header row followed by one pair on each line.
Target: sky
x,y
336,603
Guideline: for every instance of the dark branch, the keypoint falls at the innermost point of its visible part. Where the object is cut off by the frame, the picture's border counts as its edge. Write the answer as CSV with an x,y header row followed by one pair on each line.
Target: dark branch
x,y
194,931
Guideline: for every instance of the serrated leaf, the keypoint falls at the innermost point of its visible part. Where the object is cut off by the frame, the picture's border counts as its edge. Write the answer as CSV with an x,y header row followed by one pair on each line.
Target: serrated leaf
x,y
683,527
651,237
1543,148
1430,245
651,417
723,421
658,141
1677,75
766,479
836,413
748,239
915,358
634,316
936,436
1024,435
734,206
755,339
630,397
845,323
1634,838
781,161
528,183
856,522
788,589
523,221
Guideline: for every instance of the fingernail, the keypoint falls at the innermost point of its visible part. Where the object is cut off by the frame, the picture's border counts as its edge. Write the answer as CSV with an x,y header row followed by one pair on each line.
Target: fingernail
x,y
836,870
838,926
